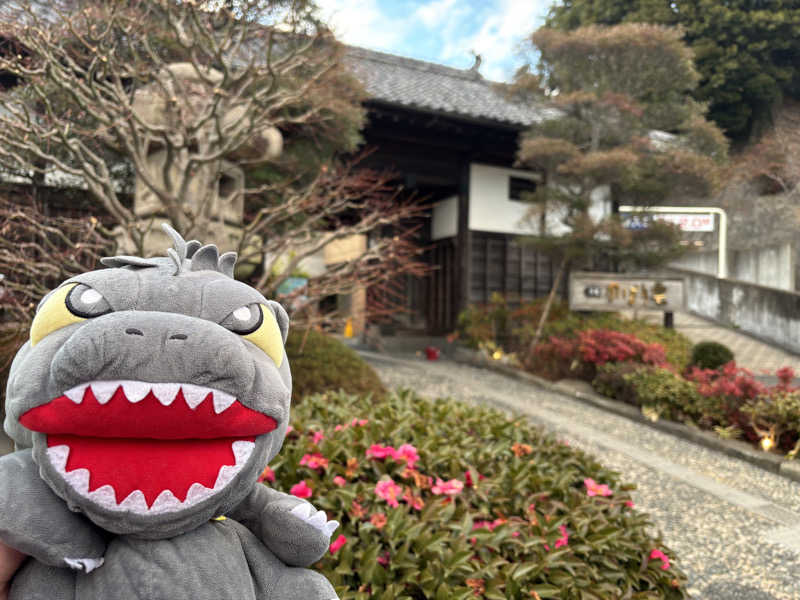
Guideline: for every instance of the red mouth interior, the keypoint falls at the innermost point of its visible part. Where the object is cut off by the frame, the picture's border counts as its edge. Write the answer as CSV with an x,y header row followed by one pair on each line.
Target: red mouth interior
x,y
146,446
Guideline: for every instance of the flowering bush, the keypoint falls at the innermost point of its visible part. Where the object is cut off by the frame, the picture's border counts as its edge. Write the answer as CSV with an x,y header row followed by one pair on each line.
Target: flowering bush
x,y
580,357
438,499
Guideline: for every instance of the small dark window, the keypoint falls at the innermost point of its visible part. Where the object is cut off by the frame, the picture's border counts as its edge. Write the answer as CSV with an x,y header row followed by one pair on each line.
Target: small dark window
x,y
517,186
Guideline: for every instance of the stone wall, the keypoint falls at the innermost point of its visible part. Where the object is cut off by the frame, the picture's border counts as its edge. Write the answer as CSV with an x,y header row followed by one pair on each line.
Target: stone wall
x,y
766,313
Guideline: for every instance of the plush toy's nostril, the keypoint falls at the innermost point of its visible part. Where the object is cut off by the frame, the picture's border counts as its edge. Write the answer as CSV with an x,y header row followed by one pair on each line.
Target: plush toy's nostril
x,y
178,336
132,331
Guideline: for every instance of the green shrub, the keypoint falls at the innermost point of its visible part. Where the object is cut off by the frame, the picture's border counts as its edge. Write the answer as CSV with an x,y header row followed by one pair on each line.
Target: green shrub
x,y
321,363
666,393
515,493
710,355
777,416
611,381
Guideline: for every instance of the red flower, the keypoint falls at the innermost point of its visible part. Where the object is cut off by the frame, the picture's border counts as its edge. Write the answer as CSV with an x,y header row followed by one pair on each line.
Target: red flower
x,y
338,543
595,489
318,437
656,553
314,461
389,491
408,453
339,480
452,487
564,539
301,490
378,520
384,558
378,451
267,475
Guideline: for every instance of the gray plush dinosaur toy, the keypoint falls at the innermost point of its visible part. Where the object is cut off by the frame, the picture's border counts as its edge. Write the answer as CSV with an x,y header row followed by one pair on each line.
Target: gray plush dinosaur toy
x,y
145,405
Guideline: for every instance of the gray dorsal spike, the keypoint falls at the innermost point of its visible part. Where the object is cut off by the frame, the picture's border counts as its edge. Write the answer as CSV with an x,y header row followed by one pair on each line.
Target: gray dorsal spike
x,y
226,263
206,259
123,261
177,241
175,259
192,247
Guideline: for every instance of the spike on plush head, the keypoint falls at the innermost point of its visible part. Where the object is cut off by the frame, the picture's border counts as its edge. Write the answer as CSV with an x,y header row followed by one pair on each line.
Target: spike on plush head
x,y
185,256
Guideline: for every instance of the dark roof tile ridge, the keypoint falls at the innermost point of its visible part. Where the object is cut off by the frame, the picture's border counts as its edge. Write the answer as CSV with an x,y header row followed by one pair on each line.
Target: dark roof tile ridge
x,y
414,63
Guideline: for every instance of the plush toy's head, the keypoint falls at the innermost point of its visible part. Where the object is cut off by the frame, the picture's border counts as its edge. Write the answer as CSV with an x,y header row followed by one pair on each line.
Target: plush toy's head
x,y
153,393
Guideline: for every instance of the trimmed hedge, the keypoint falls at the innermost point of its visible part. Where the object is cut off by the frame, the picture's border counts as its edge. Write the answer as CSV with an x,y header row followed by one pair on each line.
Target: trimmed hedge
x,y
321,363
439,499
710,355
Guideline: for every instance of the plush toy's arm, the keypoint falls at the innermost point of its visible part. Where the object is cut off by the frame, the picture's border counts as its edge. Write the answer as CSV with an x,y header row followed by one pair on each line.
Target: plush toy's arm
x,y
295,531
37,522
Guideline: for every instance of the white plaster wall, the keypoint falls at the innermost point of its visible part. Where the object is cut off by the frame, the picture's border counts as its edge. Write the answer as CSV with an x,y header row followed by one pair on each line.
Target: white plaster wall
x,y
490,209
444,222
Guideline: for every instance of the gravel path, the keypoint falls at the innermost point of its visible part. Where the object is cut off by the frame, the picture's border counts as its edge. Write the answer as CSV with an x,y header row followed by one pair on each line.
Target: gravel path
x,y
735,527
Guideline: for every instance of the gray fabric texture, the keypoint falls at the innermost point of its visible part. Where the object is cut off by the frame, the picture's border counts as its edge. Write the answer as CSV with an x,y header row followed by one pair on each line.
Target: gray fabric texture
x,y
164,327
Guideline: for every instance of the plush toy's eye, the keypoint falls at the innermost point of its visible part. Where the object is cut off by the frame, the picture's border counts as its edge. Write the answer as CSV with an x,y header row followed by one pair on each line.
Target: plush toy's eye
x,y
256,322
71,303
83,301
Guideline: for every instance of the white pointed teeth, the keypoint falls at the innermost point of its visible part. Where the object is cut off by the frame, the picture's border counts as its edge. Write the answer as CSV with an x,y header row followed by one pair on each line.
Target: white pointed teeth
x,y
194,394
135,502
76,394
242,451
318,519
166,502
315,518
222,401
302,510
79,479
164,392
103,390
84,564
330,527
58,457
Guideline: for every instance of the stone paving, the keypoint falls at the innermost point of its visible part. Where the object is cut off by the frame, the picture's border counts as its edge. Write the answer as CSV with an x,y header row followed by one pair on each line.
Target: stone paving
x,y
735,527
751,353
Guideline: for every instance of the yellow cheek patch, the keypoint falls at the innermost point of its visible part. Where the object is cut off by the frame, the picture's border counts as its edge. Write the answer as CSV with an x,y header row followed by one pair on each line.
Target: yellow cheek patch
x,y
53,315
268,336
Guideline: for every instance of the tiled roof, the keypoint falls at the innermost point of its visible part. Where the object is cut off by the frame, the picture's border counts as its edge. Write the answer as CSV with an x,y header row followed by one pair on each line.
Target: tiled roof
x,y
431,87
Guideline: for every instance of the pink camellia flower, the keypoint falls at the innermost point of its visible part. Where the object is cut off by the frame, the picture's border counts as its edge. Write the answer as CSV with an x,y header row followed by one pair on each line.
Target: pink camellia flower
x,y
267,475
448,488
564,539
595,489
314,461
408,453
338,428
378,451
384,558
656,553
629,504
389,491
339,480
338,543
318,437
301,490
289,429
363,422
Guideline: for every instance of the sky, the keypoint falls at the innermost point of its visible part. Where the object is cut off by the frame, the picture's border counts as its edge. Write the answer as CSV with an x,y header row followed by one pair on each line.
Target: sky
x,y
441,31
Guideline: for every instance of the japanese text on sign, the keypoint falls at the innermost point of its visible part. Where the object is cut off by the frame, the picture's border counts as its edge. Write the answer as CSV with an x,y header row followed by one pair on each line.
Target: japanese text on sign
x,y
686,222
612,292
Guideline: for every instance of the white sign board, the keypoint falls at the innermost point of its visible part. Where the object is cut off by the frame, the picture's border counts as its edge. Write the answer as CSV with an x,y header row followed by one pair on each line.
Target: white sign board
x,y
686,222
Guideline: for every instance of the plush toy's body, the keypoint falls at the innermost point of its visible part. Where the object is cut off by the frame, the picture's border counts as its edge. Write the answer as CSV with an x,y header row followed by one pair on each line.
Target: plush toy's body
x,y
147,402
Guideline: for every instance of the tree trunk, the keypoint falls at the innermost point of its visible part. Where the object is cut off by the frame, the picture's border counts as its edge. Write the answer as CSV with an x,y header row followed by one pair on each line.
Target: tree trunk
x,y
562,267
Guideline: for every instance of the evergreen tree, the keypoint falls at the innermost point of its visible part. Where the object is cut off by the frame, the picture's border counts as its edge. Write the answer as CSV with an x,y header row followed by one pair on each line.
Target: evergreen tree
x,y
745,50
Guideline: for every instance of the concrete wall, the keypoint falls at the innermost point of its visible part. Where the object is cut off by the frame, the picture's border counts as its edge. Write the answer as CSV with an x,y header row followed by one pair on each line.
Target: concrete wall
x,y
770,266
766,313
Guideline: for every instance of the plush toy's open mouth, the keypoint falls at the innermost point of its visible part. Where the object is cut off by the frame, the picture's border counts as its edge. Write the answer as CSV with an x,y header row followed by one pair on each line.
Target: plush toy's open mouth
x,y
144,447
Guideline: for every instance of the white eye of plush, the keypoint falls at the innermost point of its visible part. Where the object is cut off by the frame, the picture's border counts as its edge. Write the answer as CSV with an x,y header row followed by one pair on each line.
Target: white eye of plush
x,y
91,296
242,314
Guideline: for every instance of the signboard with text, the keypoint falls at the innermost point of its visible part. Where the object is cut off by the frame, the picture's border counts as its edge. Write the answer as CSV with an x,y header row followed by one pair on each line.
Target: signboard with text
x,y
615,291
686,222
